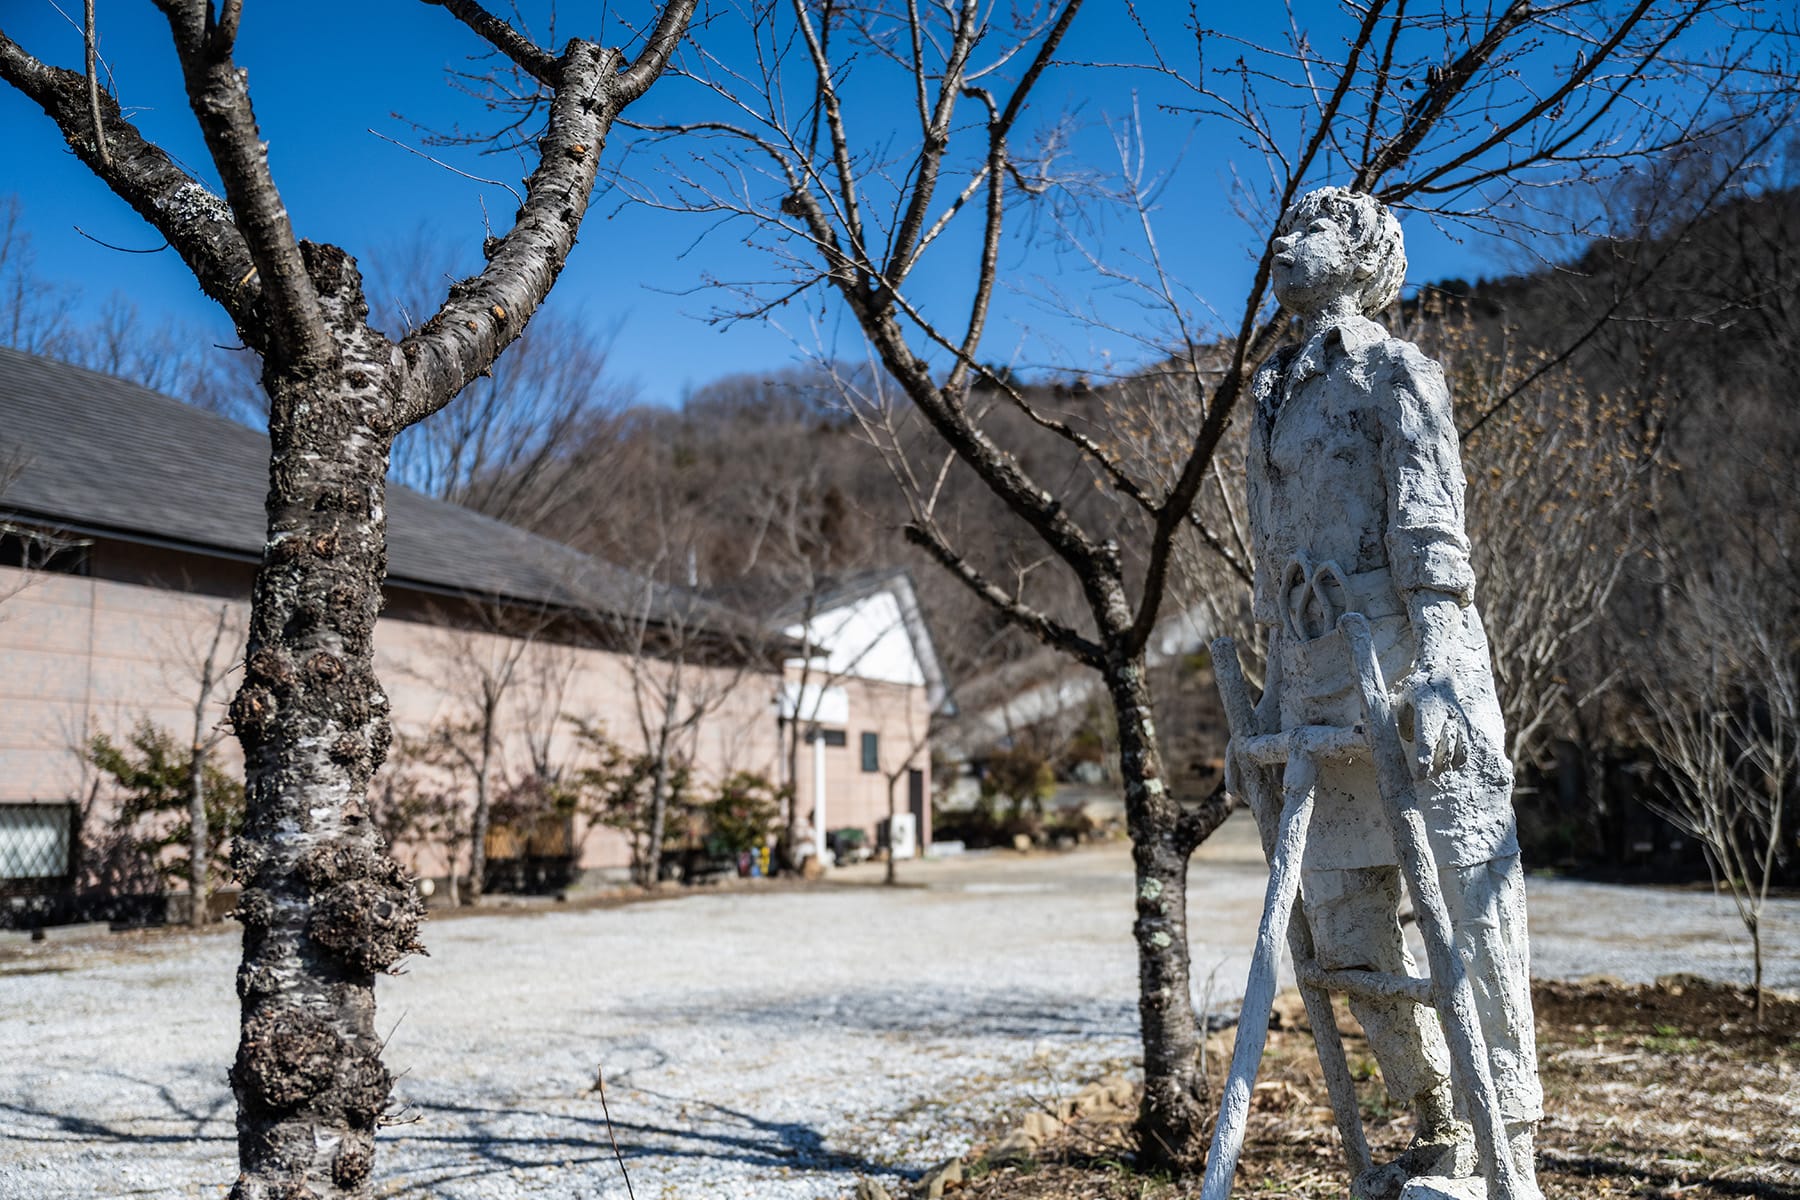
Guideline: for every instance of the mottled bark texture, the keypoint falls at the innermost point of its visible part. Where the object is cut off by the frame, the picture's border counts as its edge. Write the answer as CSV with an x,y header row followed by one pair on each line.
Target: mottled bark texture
x,y
651,867
480,819
1173,1115
324,908
1172,1120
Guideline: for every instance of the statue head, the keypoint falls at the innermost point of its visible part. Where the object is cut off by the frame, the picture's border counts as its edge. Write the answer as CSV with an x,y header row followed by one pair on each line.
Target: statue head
x,y
1334,243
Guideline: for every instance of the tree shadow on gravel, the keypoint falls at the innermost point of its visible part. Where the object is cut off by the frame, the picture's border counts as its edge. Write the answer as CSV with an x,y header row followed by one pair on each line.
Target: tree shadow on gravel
x,y
475,1141
23,1121
489,1142
37,1124
966,1012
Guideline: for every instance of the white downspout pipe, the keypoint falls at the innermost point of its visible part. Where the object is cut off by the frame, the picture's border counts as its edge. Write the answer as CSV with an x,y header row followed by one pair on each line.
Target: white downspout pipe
x,y
818,749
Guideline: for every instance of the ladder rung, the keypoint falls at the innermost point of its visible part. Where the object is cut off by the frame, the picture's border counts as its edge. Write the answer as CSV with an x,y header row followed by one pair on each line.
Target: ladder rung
x,y
1371,984
1312,741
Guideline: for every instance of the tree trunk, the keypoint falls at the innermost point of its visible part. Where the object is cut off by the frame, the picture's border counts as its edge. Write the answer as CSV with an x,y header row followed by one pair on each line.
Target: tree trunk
x,y
197,832
659,788
453,880
1173,1114
324,908
478,823
893,786
1756,955
790,825
659,816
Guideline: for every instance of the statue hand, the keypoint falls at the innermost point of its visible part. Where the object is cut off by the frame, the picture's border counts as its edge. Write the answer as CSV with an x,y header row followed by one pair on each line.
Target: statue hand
x,y
1432,719
1234,773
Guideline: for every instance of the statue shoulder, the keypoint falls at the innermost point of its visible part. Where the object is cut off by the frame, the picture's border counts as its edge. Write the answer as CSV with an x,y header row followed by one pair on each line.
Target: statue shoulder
x,y
1398,368
1404,361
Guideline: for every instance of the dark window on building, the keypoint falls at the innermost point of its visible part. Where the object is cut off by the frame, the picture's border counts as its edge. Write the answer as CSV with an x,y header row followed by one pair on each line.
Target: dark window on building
x,y
831,737
871,751
35,550
37,844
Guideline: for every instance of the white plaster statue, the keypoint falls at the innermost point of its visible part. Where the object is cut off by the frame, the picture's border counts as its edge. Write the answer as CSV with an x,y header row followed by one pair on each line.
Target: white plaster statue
x,y
1356,502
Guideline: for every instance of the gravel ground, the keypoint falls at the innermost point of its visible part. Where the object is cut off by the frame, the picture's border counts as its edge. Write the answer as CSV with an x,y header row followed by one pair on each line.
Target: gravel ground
x,y
773,1045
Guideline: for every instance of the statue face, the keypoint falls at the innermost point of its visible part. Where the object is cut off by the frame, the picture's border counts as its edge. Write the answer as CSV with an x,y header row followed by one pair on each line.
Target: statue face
x,y
1313,265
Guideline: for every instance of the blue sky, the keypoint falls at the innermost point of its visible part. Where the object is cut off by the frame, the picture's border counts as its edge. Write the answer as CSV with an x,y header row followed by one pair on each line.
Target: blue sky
x,y
319,89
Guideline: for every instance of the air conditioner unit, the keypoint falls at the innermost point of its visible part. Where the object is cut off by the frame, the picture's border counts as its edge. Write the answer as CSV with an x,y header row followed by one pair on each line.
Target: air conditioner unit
x,y
903,835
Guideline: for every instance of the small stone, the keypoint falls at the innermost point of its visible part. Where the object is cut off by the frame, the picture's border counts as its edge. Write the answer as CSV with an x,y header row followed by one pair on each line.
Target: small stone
x,y
1016,1147
1022,842
869,1189
1105,1097
1440,1187
935,1182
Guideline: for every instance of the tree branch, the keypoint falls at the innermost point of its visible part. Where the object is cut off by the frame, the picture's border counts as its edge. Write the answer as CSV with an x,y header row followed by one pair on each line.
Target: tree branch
x,y
524,53
483,315
999,128
195,221
671,27
219,95
1249,348
1577,78
935,139
1444,88
840,139
1047,630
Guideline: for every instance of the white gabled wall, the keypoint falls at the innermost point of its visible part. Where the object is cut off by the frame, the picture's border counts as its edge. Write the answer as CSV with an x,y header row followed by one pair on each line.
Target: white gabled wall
x,y
866,638
874,671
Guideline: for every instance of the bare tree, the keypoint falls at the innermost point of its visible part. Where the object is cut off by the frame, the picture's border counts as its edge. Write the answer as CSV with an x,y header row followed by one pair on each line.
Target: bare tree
x,y
324,909
721,495
39,315
211,669
419,798
918,737
686,657
1558,478
546,672
1436,107
523,439
484,646
1725,726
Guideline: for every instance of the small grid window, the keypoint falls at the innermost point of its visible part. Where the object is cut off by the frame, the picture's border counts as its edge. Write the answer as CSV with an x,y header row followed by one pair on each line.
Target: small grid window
x,y
36,841
871,752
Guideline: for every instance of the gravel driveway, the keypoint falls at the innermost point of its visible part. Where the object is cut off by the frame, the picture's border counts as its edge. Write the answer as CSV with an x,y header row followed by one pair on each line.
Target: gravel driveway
x,y
754,1045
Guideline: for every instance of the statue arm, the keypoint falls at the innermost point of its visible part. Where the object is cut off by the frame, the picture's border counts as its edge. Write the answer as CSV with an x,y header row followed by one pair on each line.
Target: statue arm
x,y
1422,468
1428,703
1428,551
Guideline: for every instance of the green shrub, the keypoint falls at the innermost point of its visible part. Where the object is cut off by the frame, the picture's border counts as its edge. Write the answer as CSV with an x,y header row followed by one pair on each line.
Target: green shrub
x,y
153,773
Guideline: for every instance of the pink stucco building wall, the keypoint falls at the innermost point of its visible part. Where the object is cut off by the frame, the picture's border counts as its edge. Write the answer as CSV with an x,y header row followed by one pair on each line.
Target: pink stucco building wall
x,y
100,652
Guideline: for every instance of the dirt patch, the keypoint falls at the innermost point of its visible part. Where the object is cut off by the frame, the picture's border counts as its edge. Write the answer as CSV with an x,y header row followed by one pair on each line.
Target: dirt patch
x,y
1689,1006
1657,1090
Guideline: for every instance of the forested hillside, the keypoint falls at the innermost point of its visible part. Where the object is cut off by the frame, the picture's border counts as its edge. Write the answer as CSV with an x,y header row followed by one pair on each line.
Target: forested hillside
x,y
1634,501
1629,439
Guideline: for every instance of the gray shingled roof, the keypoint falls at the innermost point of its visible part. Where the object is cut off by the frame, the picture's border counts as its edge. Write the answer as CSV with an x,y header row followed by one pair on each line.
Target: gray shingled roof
x,y
104,456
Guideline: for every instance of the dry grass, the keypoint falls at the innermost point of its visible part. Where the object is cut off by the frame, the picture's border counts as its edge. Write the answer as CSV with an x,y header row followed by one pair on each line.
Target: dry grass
x,y
1659,1091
